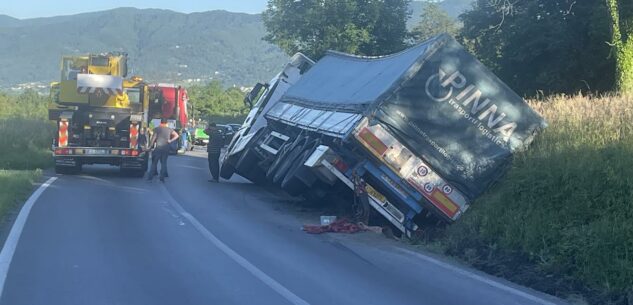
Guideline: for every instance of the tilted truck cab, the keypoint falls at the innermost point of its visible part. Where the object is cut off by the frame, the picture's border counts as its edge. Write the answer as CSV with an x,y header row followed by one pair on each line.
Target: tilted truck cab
x,y
423,132
260,99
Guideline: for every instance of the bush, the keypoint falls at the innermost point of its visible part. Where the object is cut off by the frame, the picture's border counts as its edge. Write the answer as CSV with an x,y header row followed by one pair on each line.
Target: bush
x,y
566,206
26,133
25,143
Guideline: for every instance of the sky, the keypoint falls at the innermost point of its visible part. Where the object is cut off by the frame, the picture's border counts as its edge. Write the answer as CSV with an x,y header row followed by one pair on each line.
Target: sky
x,y
45,8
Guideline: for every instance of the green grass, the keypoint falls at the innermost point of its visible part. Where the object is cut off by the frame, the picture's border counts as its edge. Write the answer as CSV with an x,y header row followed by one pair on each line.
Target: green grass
x,y
25,143
15,187
564,212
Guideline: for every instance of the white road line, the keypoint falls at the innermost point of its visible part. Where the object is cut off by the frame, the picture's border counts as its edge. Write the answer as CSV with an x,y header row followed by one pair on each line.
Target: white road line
x,y
269,281
480,278
14,236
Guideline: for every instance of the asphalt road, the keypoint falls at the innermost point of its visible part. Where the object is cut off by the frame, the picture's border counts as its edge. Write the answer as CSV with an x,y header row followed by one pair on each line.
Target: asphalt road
x,y
99,238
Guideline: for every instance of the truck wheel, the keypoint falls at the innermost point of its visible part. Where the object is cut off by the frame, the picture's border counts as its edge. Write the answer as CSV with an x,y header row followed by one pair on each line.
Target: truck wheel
x,y
62,170
281,156
270,173
246,166
291,183
245,162
287,162
68,170
136,173
145,164
227,169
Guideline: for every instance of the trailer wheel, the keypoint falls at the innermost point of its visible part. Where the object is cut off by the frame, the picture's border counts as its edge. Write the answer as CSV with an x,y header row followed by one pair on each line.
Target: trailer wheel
x,y
291,183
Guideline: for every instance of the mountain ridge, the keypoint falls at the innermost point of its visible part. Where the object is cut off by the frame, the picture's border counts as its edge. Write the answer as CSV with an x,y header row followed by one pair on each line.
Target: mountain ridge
x,y
163,45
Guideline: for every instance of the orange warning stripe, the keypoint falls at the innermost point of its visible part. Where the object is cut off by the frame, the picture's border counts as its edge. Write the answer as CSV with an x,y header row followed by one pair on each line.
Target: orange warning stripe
x,y
63,134
133,135
372,141
444,203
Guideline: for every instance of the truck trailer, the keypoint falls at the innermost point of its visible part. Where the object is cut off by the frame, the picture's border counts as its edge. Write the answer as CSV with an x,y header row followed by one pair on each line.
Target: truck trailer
x,y
422,133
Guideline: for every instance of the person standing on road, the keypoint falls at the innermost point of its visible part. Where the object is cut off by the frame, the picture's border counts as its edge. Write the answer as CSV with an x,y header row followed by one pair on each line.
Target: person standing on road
x,y
162,137
214,148
184,135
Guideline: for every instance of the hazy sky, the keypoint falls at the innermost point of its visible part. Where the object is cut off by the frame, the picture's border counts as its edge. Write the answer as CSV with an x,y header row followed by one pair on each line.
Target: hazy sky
x,y
44,8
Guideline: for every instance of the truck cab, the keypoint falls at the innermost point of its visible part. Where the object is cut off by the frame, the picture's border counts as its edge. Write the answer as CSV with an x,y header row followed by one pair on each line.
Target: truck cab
x,y
261,99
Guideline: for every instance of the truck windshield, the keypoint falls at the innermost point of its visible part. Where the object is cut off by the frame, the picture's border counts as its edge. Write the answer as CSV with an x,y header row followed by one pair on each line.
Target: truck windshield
x,y
261,96
73,66
134,94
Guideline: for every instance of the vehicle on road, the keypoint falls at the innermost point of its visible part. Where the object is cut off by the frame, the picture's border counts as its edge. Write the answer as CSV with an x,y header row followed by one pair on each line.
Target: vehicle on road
x,y
169,101
423,132
199,137
227,132
98,114
260,99
235,127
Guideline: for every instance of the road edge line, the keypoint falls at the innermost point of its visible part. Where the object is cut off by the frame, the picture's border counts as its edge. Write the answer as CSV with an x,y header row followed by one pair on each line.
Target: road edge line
x,y
232,254
11,243
479,278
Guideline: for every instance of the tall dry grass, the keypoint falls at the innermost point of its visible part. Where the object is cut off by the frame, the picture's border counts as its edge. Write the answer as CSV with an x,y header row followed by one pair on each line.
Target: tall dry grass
x,y
565,209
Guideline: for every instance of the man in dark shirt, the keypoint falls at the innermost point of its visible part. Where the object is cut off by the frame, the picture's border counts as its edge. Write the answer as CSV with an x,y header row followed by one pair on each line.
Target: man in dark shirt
x,y
162,138
216,141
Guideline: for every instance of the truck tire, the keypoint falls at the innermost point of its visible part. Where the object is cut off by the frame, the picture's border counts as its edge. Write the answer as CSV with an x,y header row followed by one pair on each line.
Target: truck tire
x,y
137,172
298,176
227,169
68,170
291,184
246,166
281,157
287,162
283,150
130,172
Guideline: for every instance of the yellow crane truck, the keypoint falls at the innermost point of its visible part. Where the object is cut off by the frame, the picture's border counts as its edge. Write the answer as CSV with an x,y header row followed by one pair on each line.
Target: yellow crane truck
x,y
98,114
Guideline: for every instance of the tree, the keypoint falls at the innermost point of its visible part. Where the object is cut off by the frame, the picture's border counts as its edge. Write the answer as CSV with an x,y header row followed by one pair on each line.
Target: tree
x,y
622,42
213,100
433,21
543,45
388,27
362,27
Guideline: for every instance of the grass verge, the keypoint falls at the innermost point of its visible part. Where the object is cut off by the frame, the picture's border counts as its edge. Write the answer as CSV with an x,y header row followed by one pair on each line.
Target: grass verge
x,y
15,187
561,220
25,144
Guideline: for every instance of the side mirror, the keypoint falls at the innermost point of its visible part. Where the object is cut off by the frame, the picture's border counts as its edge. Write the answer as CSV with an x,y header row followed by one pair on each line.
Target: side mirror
x,y
251,97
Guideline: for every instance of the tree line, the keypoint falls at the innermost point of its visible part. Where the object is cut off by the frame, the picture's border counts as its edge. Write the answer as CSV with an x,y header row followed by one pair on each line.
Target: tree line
x,y
212,102
536,46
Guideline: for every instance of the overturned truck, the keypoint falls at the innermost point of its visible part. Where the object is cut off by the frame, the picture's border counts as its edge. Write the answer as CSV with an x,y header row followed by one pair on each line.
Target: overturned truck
x,y
423,132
